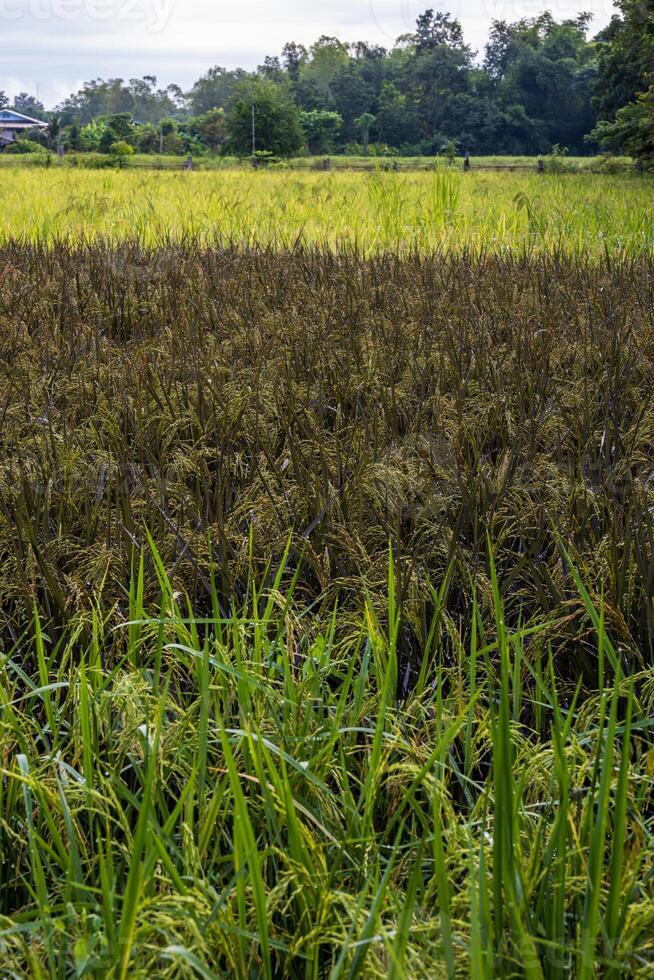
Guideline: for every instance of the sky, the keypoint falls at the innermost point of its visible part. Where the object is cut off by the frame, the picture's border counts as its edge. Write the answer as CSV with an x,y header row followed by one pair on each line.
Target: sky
x,y
49,47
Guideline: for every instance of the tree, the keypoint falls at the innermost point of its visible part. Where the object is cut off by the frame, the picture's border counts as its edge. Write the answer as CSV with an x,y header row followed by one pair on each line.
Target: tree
x,y
88,137
166,136
54,128
632,131
139,96
437,65
496,59
364,124
96,98
626,57
397,122
625,86
29,106
542,72
120,151
214,89
434,76
327,57
351,97
118,128
321,128
534,89
308,95
434,30
277,120
211,128
103,132
293,57
271,69
150,104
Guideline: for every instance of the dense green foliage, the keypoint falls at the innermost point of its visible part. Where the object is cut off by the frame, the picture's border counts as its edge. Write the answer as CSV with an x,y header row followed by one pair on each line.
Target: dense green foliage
x,y
626,56
632,131
531,89
625,91
262,119
326,591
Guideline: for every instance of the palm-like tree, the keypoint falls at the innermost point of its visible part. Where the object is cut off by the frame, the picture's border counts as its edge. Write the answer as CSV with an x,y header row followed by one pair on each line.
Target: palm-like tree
x,y
364,124
54,128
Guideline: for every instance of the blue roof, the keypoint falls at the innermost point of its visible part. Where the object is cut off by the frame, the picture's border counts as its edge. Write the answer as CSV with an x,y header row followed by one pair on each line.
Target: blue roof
x,y
9,116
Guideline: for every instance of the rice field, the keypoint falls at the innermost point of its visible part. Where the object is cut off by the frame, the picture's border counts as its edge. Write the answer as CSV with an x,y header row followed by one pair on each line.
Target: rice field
x,y
326,575
443,209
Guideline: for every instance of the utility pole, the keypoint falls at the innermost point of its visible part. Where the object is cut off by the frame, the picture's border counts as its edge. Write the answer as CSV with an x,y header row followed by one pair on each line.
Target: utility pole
x,y
161,137
254,133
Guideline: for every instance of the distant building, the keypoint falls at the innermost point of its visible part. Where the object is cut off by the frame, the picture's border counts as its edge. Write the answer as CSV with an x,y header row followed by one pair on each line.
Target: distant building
x,y
15,124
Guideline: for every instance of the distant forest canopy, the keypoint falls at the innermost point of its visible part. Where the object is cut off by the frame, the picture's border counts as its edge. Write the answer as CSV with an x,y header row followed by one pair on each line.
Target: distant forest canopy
x,y
540,84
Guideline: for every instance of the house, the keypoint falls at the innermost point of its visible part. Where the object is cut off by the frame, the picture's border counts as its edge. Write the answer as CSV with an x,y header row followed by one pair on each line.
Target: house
x,y
15,124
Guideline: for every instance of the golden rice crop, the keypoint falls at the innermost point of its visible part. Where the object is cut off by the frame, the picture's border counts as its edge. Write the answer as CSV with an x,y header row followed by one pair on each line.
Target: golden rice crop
x,y
440,209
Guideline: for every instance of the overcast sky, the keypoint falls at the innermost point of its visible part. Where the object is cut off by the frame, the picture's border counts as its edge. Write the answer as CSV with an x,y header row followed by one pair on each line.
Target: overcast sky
x,y
50,47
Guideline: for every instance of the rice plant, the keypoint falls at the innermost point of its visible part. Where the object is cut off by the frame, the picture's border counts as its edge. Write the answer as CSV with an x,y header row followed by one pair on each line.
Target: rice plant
x,y
441,209
248,795
326,584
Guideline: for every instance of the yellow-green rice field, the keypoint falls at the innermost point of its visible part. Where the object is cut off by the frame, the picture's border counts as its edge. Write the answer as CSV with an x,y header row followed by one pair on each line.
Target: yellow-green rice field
x,y
581,213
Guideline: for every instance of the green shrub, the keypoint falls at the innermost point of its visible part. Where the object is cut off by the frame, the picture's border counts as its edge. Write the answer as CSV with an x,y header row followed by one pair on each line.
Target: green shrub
x,y
23,146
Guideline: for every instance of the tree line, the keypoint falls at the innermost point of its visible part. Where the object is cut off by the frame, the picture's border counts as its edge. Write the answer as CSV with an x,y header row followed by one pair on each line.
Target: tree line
x,y
540,84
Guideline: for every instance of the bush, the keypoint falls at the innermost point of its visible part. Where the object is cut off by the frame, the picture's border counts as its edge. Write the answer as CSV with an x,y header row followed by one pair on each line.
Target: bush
x,y
120,151
23,145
